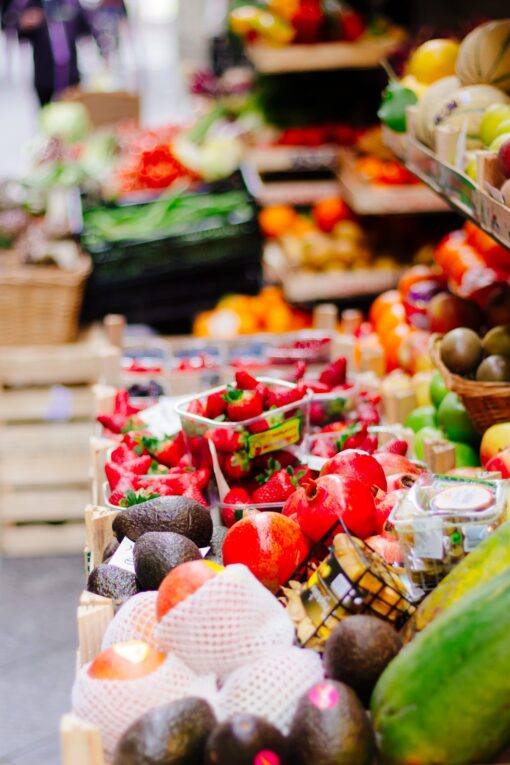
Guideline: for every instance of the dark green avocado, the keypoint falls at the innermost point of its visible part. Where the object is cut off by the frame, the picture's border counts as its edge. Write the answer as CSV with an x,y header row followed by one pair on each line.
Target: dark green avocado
x,y
331,727
178,514
112,582
172,734
242,737
158,552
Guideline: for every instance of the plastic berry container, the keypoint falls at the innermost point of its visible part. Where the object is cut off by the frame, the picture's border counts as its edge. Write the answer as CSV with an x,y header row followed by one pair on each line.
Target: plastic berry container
x,y
331,407
239,445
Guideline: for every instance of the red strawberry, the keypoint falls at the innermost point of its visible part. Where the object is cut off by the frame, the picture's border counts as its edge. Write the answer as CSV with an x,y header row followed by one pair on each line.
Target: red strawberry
x,y
122,454
215,405
280,486
193,492
121,403
116,498
353,436
196,407
317,413
335,373
286,396
334,427
236,466
245,381
112,422
133,441
136,498
369,444
132,423
298,371
118,477
237,496
139,465
226,439
168,450
324,447
243,404
283,457
317,387
395,446
368,414
201,478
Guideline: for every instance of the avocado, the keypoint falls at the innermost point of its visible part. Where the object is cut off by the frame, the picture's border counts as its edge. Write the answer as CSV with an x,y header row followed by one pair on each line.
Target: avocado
x,y
158,552
112,582
110,549
497,341
494,369
218,537
461,351
330,727
238,740
172,734
179,514
358,650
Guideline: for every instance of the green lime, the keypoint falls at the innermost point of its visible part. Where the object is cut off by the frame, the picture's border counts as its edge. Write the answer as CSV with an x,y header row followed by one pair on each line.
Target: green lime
x,y
454,420
426,434
421,417
438,389
465,455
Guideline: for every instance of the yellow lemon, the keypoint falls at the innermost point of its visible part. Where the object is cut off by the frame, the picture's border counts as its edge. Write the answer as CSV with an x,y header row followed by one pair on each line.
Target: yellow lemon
x,y
433,60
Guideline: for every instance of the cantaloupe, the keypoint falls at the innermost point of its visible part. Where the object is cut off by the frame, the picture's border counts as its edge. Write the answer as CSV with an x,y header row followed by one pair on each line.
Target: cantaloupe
x,y
427,107
466,106
484,56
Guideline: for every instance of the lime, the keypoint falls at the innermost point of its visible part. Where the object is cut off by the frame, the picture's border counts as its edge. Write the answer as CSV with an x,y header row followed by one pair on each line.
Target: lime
x,y
465,455
438,389
426,434
454,420
421,417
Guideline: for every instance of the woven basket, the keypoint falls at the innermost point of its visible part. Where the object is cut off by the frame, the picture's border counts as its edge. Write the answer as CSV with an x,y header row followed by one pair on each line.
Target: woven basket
x,y
487,403
40,305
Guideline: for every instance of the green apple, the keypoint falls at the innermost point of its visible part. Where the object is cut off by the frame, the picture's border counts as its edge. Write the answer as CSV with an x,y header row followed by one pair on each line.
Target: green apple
x,y
499,141
494,115
465,455
470,168
438,389
454,420
503,128
426,434
421,417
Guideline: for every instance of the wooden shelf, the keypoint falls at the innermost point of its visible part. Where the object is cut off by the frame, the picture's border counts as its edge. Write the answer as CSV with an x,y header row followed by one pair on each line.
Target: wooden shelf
x,y
363,54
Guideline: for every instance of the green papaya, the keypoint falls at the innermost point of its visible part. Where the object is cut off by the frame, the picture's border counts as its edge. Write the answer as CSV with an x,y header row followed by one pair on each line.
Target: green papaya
x,y
486,561
445,699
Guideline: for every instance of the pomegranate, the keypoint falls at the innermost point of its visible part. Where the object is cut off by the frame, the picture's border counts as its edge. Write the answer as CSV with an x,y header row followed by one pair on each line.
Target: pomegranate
x,y
271,545
396,463
384,507
387,547
400,481
354,463
319,504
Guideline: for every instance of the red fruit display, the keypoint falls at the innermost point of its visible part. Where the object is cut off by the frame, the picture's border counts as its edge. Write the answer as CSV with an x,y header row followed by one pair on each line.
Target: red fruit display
x,y
243,404
318,505
384,507
395,463
271,545
182,582
353,463
389,549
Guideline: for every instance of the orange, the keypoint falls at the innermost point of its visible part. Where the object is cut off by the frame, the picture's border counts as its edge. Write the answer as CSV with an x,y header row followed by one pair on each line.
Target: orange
x,y
391,343
302,225
390,318
328,212
382,302
277,220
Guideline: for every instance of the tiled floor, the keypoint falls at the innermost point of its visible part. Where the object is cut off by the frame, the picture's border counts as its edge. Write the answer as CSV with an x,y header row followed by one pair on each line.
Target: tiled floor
x,y
38,641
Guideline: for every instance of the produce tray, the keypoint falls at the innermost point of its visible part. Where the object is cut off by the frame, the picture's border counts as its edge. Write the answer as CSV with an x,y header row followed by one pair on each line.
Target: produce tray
x,y
291,186
274,158
363,54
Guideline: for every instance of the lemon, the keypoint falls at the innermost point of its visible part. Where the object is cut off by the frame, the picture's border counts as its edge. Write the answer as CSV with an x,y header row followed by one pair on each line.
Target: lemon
x,y
433,60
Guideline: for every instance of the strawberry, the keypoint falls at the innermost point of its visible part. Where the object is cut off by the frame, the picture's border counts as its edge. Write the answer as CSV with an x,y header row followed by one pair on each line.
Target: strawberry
x,y
317,387
279,487
265,423
334,427
114,473
395,446
132,423
246,381
236,466
112,422
243,404
335,373
317,413
298,371
226,439
121,403
324,447
237,496
139,465
136,498
368,414
122,454
352,436
201,478
167,450
286,396
283,457
196,407
193,492
116,498
215,405
369,444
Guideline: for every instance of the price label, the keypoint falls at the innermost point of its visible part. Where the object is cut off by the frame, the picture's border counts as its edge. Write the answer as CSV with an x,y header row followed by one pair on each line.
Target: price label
x,y
428,537
123,556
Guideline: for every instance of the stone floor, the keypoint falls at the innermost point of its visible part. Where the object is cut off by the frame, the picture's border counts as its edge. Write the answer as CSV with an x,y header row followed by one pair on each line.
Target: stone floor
x,y
38,642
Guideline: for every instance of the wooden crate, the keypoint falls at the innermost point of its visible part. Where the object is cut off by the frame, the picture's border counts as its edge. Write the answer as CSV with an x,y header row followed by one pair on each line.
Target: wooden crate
x,y
46,421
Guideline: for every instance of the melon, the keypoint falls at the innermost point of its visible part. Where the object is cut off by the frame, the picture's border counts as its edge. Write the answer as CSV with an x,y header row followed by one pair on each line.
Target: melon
x,y
484,56
466,106
426,108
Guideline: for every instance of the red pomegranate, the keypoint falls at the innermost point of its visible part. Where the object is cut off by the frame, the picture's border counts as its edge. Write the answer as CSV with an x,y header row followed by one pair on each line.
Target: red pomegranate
x,y
388,548
396,463
354,463
398,481
271,545
384,506
322,502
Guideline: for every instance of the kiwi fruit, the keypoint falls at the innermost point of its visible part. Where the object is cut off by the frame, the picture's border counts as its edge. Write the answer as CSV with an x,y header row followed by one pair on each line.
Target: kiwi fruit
x,y
494,369
461,351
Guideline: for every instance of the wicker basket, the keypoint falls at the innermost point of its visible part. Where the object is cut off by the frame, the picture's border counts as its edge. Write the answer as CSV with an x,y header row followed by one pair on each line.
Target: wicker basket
x,y
40,305
487,403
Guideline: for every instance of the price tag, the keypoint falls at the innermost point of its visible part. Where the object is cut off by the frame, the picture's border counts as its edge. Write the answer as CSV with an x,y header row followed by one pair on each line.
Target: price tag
x,y
428,537
123,556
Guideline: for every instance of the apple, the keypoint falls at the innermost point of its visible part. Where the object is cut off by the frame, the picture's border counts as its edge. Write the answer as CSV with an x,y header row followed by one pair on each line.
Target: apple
x,y
503,154
493,117
500,463
126,661
447,312
182,582
496,439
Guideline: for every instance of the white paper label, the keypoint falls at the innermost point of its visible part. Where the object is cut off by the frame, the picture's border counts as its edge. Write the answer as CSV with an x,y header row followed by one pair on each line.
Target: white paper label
x,y
123,556
204,551
428,537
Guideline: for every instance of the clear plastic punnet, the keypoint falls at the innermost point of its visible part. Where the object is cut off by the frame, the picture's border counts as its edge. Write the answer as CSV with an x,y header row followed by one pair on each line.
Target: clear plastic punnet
x,y
442,519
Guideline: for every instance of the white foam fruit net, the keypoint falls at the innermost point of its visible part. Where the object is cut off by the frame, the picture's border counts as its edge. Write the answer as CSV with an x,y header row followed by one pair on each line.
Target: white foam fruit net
x,y
272,687
113,705
232,620
135,620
